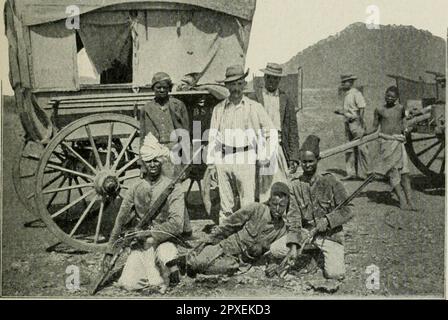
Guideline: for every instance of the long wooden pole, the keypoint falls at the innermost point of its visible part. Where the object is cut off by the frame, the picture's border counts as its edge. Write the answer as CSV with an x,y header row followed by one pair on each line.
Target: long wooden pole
x,y
349,145
369,138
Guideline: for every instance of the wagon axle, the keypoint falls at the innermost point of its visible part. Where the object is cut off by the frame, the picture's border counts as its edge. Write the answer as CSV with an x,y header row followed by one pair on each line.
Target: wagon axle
x,y
106,183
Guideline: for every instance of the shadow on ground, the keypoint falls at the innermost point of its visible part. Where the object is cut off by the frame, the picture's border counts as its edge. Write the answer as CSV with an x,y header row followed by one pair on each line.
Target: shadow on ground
x,y
428,185
380,197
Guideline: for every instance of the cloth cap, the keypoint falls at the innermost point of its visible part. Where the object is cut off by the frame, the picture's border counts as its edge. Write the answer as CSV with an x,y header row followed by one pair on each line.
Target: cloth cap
x,y
152,149
311,144
160,76
273,69
280,187
346,77
234,73
393,89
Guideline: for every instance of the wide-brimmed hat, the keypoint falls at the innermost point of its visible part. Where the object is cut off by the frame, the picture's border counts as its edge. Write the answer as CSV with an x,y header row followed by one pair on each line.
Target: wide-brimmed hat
x,y
273,69
234,73
346,77
160,76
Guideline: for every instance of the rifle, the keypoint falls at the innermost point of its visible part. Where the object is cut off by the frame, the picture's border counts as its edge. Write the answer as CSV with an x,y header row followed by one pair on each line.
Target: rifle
x,y
126,240
286,265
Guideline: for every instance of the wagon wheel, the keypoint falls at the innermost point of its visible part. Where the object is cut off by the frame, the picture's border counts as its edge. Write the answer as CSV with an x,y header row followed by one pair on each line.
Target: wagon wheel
x,y
24,170
95,162
427,153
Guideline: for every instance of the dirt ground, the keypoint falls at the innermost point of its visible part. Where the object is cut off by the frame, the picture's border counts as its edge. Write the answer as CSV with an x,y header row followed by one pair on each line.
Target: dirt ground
x,y
407,248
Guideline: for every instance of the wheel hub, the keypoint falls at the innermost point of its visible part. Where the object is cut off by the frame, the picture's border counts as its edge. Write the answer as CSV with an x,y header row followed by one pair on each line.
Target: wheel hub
x,y
106,183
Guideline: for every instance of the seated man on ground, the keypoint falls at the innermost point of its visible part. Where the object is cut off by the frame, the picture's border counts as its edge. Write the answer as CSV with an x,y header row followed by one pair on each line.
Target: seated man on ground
x,y
313,199
243,236
147,262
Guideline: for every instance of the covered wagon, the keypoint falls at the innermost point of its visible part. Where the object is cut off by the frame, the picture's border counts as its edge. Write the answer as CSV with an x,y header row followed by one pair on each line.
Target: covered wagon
x,y
80,149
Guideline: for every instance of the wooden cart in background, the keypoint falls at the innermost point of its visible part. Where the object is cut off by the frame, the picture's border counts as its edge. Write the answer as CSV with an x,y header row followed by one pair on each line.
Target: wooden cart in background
x,y
425,104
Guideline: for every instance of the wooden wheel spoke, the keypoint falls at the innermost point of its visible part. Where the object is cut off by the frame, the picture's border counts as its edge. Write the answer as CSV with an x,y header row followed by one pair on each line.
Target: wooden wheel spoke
x,y
83,216
133,176
98,224
50,171
76,173
25,176
69,191
77,182
55,194
442,167
71,187
423,139
428,148
125,147
435,156
33,157
52,180
68,206
127,165
109,144
77,155
95,150
59,156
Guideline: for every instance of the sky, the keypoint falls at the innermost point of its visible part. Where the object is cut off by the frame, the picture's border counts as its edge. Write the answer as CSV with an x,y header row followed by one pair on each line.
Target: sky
x,y
282,28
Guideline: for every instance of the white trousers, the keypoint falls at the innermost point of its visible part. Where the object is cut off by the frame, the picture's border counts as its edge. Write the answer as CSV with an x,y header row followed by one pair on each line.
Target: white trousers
x,y
334,265
277,172
141,269
236,172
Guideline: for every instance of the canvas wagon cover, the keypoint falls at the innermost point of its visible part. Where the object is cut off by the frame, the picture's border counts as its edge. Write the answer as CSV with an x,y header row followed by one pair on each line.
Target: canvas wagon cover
x,y
34,12
175,36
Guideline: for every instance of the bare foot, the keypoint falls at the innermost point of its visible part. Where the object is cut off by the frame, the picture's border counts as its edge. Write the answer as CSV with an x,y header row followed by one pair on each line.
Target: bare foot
x,y
163,289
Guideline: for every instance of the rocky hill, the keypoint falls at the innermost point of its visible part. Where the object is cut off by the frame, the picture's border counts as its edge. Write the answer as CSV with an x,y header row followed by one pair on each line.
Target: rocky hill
x,y
370,54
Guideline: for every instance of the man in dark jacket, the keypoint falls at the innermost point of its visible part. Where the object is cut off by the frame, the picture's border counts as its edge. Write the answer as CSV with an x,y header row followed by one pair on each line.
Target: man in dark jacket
x,y
283,115
313,198
162,116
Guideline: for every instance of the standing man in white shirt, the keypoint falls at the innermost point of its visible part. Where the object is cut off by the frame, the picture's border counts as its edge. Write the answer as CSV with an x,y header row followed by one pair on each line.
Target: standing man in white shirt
x,y
241,134
357,160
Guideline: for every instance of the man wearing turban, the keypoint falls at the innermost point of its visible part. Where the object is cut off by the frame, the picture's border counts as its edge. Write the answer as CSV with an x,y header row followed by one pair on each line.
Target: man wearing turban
x,y
147,262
